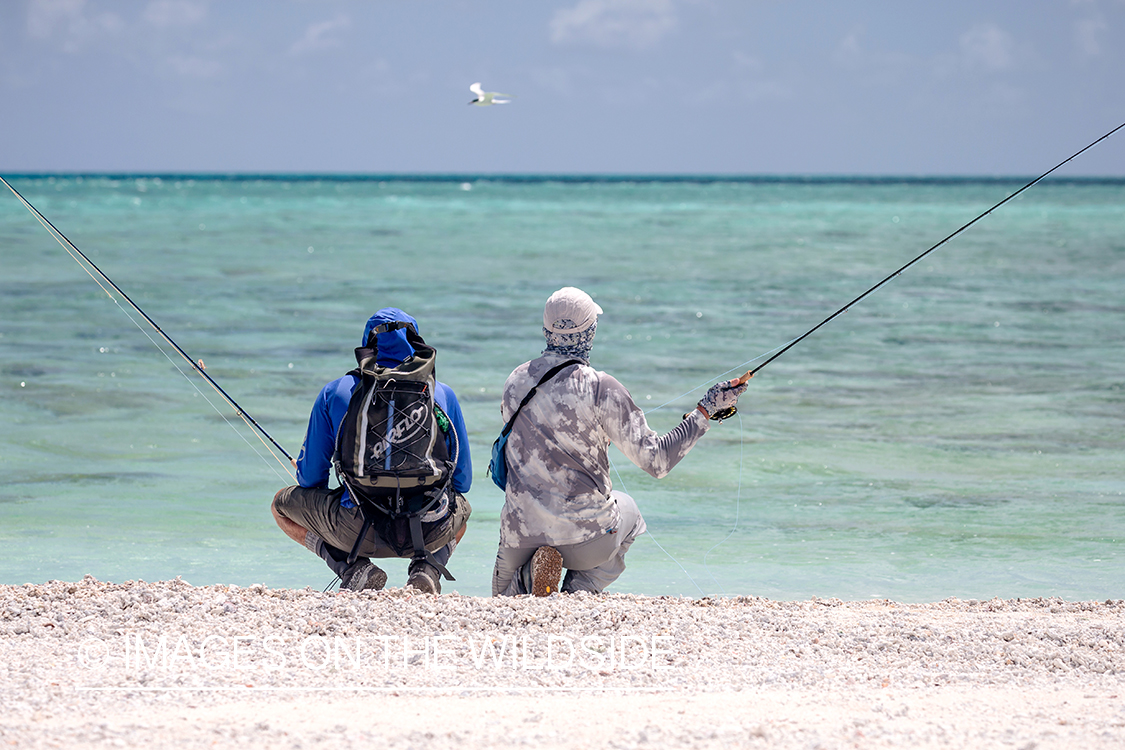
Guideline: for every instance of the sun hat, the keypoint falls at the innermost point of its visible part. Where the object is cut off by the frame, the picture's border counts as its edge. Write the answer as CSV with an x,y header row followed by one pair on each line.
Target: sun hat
x,y
570,310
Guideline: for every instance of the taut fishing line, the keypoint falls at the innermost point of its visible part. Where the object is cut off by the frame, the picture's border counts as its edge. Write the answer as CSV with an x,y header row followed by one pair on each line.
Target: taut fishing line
x,y
933,247
777,352
706,383
86,264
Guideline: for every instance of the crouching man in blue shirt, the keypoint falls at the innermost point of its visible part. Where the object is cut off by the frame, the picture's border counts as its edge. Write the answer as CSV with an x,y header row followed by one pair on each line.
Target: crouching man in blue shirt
x,y
328,522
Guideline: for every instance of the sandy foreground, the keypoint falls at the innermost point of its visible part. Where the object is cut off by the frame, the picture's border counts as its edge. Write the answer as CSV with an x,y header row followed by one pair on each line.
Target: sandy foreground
x,y
92,664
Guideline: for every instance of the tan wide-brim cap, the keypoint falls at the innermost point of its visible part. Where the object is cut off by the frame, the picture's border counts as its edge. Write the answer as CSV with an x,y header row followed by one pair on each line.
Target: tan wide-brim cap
x,y
573,305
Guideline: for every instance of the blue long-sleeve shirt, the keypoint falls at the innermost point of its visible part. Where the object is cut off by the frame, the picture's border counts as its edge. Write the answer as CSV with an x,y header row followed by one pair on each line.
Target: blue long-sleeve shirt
x,y
314,464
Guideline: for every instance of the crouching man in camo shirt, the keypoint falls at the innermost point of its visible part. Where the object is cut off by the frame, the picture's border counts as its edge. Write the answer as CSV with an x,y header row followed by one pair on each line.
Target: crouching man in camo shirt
x,y
560,509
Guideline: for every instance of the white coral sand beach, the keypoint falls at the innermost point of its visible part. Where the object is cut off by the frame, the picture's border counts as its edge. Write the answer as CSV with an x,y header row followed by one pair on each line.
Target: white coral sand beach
x,y
93,664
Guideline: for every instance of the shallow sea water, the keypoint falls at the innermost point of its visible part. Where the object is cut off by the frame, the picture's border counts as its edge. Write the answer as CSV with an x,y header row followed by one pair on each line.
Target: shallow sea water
x,y
960,432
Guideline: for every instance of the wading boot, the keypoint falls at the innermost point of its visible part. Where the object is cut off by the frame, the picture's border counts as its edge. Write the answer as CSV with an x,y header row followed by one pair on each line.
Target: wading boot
x,y
364,575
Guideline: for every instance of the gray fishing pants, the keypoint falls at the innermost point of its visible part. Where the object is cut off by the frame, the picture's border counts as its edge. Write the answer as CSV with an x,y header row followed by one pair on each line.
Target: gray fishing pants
x,y
590,566
319,510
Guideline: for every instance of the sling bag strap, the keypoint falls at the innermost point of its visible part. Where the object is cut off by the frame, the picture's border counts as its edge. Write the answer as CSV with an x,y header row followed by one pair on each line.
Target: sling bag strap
x,y
547,376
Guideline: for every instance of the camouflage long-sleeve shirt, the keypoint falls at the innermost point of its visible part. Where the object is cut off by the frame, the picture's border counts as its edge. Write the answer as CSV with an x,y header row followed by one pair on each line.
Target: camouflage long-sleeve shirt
x,y
558,462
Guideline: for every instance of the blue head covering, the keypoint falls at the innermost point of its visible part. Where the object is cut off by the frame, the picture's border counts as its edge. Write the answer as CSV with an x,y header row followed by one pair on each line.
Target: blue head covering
x,y
393,346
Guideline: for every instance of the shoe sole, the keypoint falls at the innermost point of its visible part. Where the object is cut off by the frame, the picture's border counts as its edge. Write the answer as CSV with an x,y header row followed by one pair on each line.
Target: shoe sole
x,y
376,580
424,584
546,569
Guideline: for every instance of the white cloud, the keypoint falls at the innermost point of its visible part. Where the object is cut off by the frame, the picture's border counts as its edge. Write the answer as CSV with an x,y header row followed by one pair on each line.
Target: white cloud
x,y
850,51
44,16
1088,36
743,61
67,19
321,36
870,68
556,79
195,67
630,24
766,91
378,77
749,80
987,46
168,13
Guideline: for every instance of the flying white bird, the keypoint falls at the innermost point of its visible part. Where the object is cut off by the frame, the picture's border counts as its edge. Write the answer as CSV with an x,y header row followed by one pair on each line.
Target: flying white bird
x,y
485,98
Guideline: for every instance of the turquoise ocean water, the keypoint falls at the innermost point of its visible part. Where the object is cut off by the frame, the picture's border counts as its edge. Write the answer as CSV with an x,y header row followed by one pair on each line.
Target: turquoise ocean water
x,y
958,433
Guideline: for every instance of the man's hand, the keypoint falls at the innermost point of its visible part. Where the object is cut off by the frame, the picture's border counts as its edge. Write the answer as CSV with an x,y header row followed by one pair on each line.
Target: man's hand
x,y
721,397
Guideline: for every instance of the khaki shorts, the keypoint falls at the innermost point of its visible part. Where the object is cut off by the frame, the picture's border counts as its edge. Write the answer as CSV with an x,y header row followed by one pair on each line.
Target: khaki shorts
x,y
319,510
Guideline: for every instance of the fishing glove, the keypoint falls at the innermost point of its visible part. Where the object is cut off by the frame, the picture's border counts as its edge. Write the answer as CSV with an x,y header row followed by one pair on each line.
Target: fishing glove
x,y
720,400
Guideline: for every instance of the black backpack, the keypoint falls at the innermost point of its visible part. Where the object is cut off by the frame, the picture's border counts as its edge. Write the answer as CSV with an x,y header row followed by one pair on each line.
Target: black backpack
x,y
391,450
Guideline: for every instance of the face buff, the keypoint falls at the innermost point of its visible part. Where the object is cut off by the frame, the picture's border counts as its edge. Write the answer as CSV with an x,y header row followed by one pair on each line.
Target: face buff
x,y
572,345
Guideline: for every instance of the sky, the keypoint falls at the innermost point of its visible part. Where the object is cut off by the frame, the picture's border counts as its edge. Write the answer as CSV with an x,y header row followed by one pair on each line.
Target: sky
x,y
754,87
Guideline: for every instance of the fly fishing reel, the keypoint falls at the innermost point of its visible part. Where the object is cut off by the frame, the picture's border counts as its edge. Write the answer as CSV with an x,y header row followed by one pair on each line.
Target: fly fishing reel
x,y
726,413
721,414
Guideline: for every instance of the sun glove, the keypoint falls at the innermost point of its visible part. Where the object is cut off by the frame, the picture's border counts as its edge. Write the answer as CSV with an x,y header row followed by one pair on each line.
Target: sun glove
x,y
721,399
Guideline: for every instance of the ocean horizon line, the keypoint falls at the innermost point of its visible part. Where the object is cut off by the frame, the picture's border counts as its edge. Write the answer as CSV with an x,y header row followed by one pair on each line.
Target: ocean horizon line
x,y
569,178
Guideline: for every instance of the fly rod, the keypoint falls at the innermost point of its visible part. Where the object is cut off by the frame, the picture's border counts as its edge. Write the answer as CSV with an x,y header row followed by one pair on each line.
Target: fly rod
x,y
198,366
750,373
